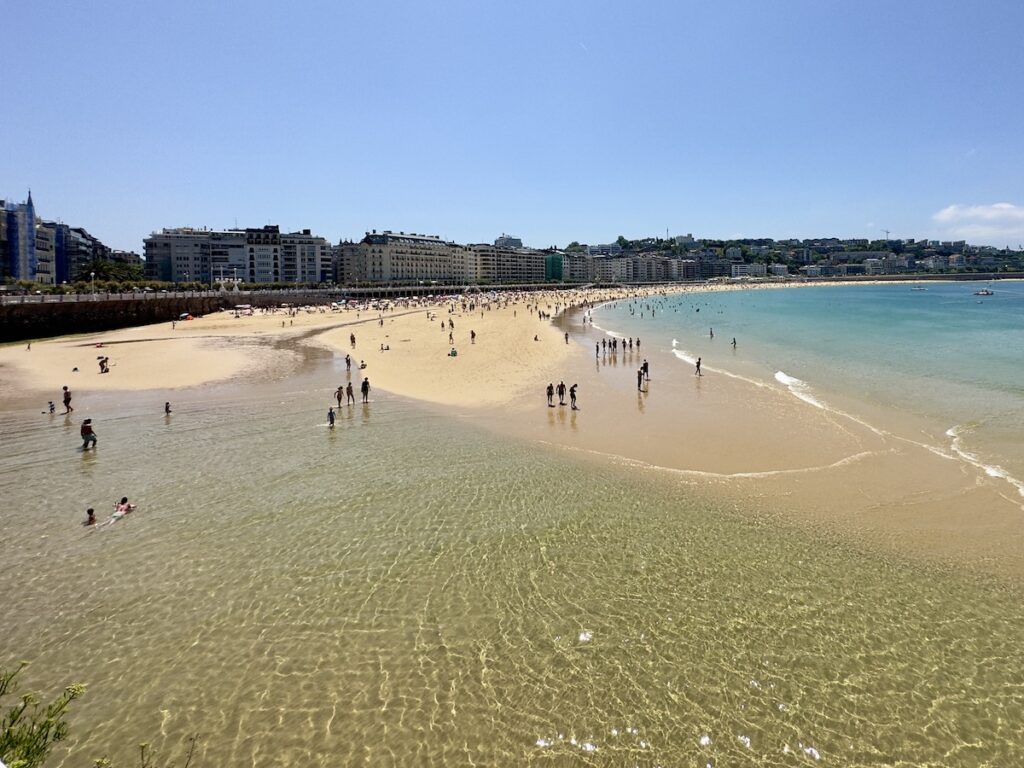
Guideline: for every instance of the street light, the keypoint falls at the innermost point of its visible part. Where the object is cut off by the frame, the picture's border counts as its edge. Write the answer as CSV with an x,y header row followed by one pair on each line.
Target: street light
x,y
92,283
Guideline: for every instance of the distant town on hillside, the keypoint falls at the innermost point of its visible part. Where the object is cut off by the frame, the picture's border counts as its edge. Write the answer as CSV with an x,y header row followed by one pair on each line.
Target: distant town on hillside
x,y
48,255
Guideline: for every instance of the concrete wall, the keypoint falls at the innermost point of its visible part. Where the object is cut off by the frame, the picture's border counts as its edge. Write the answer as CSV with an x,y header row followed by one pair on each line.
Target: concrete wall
x,y
21,322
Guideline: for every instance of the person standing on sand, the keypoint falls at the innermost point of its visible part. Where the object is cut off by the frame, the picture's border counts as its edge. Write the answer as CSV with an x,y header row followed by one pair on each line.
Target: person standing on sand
x,y
697,371
365,388
339,394
561,392
551,395
350,397
572,396
88,435
639,378
67,401
566,337
597,349
646,369
348,362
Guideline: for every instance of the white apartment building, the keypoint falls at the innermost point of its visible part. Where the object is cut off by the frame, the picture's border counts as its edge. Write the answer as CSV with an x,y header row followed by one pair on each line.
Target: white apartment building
x,y
305,258
749,270
491,264
263,254
184,254
397,257
577,268
778,270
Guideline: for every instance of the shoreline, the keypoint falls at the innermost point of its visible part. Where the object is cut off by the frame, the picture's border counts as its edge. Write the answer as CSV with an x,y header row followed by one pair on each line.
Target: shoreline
x,y
753,445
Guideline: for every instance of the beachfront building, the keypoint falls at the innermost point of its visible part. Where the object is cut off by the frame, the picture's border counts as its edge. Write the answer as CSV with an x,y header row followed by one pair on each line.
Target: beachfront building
x,y
263,254
184,254
749,270
254,255
405,258
74,248
45,255
20,239
305,258
227,256
493,264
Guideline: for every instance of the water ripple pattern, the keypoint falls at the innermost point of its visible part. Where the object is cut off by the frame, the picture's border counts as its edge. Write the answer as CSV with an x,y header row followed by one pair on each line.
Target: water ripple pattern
x,y
405,590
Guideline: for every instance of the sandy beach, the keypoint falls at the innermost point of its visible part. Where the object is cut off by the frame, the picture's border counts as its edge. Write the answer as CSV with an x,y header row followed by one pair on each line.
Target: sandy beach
x,y
747,442
656,574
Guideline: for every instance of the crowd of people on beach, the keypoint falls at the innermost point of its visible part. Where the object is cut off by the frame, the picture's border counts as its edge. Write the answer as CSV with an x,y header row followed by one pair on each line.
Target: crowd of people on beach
x,y
545,307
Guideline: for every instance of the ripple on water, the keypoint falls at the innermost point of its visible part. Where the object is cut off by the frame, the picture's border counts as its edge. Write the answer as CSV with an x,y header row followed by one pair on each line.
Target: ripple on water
x,y
409,591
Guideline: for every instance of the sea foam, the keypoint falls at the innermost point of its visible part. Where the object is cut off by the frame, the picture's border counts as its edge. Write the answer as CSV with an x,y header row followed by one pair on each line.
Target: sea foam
x,y
992,470
800,389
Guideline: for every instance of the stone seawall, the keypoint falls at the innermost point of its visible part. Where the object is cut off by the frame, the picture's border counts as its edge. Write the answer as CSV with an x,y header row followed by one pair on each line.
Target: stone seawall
x,y
22,322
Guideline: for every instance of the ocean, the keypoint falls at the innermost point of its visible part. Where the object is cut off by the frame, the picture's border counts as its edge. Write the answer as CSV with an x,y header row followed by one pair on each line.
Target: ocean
x,y
944,356
412,589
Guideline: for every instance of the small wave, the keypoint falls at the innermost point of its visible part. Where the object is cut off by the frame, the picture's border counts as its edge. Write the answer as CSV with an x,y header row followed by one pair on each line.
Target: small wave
x,y
992,470
682,354
799,388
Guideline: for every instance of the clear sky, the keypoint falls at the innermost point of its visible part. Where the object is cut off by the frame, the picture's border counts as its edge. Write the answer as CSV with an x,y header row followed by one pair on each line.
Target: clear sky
x,y
550,120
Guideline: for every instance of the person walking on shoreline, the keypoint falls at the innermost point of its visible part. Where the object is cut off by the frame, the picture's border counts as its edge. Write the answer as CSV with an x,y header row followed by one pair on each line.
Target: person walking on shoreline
x,y
339,394
551,395
330,417
646,370
561,392
350,398
67,401
697,371
365,389
572,396
639,378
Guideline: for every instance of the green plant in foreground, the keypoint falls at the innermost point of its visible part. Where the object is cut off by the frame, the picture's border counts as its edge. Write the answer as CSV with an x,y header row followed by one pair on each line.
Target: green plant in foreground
x,y
29,729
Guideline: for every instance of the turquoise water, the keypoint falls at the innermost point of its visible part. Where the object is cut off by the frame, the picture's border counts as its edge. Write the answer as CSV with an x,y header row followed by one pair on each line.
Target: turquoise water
x,y
944,355
410,589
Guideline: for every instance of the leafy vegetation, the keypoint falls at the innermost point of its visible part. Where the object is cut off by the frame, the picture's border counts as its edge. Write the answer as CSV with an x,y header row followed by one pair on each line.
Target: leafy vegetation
x,y
29,729
109,271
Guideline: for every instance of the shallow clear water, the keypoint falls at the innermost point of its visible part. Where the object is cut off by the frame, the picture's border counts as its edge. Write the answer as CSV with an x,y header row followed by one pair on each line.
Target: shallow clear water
x,y
944,355
409,589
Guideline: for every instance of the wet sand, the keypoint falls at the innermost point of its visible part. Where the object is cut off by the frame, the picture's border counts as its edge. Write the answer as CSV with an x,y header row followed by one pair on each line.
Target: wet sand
x,y
747,442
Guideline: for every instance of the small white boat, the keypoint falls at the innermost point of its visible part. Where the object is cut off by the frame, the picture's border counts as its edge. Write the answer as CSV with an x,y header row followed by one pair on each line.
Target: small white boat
x,y
984,292
919,288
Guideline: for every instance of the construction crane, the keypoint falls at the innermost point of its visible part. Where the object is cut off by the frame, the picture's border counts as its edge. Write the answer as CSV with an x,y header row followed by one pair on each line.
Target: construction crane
x,y
886,233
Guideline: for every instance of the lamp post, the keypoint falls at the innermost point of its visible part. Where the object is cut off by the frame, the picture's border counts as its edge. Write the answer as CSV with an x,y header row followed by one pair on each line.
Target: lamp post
x,y
92,284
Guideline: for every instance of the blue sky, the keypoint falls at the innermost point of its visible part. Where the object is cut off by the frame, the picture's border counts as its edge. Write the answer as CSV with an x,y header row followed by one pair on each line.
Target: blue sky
x,y
553,121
